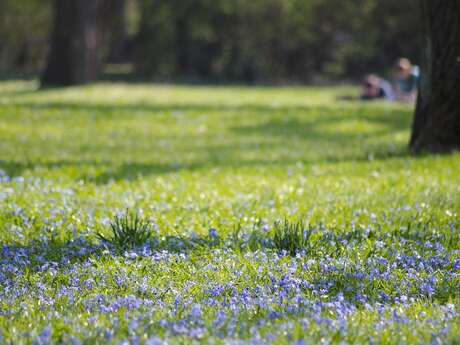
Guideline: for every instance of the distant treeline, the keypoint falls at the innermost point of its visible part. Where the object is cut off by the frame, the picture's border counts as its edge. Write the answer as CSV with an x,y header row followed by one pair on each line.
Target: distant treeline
x,y
229,40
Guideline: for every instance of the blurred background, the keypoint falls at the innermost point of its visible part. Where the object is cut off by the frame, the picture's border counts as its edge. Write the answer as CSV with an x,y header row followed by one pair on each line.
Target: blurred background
x,y
224,41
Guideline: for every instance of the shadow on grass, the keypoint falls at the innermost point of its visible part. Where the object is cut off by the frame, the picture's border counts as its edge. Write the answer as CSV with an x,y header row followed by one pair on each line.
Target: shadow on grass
x,y
127,171
132,171
37,257
288,137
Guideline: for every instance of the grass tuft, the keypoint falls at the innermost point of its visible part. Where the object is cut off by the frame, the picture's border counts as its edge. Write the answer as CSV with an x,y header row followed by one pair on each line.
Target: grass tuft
x,y
128,231
292,237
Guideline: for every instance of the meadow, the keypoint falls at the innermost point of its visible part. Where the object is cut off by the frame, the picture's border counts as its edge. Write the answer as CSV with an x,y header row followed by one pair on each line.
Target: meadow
x,y
274,215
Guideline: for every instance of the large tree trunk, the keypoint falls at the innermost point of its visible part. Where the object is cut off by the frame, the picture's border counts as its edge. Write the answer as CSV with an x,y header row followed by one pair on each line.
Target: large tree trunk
x,y
74,55
436,126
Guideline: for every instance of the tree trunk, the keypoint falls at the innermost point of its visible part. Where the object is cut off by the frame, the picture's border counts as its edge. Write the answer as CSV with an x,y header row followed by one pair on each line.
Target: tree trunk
x,y
436,126
74,55
182,46
118,31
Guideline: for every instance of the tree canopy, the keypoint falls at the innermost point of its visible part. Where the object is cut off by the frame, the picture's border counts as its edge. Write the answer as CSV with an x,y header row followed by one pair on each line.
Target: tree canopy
x,y
232,40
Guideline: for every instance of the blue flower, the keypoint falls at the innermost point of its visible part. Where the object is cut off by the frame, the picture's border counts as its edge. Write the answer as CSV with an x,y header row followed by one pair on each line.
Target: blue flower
x,y
195,311
155,341
213,233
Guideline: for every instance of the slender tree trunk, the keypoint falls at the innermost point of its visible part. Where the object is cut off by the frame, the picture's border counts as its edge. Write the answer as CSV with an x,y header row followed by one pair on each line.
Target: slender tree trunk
x,y
436,126
182,46
74,55
118,31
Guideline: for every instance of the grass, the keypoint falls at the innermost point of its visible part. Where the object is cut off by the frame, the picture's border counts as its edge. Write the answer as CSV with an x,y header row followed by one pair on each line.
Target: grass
x,y
225,178
291,237
129,231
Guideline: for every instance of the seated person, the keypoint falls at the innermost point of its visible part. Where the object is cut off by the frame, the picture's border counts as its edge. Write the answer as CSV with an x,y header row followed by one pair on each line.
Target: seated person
x,y
376,88
406,79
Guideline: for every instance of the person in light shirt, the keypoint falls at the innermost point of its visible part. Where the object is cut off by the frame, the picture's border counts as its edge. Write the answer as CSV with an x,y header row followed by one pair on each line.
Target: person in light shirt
x,y
406,80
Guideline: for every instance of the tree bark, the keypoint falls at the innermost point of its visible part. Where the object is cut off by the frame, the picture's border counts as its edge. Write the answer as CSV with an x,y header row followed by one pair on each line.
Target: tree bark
x,y
118,31
182,43
74,53
436,126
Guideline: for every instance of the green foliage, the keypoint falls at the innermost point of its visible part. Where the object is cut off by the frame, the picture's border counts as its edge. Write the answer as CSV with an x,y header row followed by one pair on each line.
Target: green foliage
x,y
128,231
238,40
24,32
292,237
274,40
255,240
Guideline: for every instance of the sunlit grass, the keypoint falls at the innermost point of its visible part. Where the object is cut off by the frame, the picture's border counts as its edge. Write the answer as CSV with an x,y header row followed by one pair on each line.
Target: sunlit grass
x,y
213,170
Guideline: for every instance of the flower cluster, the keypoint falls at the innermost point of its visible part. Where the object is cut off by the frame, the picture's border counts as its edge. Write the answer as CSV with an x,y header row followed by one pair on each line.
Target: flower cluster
x,y
377,274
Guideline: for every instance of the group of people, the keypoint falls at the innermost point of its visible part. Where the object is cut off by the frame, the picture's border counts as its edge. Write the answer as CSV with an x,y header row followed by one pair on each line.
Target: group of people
x,y
403,87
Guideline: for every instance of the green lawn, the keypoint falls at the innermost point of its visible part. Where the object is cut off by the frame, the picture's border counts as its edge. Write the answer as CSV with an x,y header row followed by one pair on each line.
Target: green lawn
x,y
382,263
